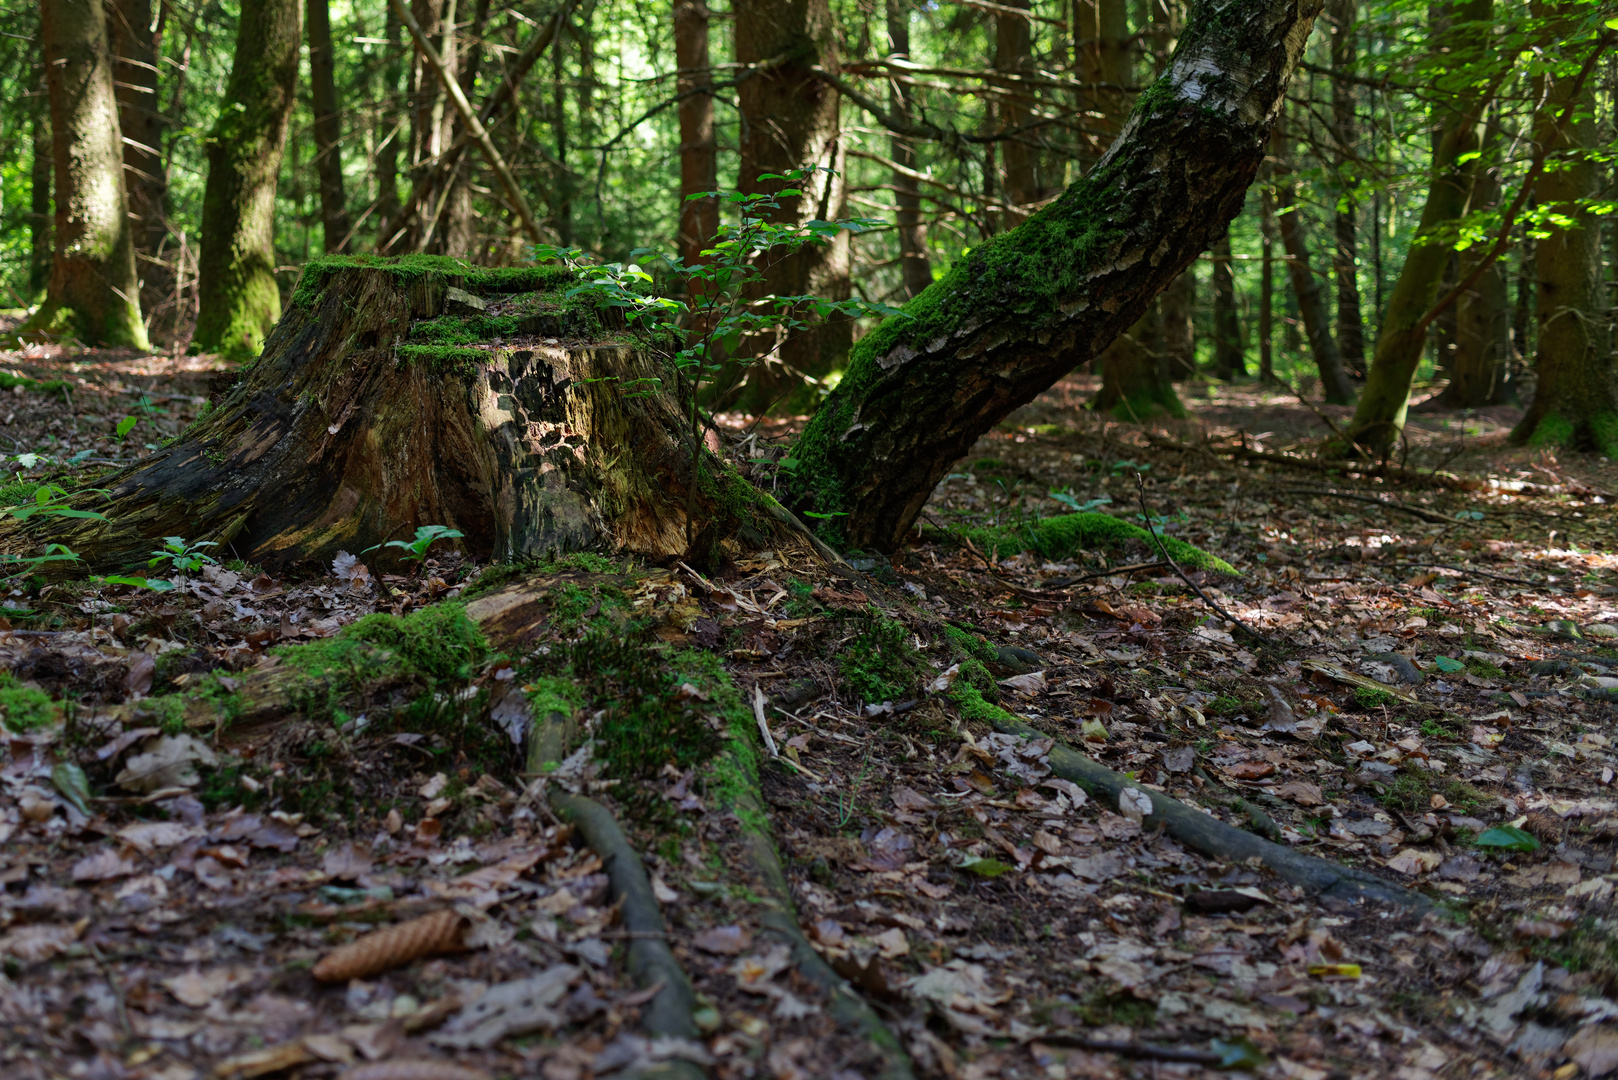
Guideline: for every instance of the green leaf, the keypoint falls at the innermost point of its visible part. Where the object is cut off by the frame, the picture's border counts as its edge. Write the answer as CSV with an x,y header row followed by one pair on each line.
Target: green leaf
x,y
989,868
126,425
1507,838
1448,664
73,784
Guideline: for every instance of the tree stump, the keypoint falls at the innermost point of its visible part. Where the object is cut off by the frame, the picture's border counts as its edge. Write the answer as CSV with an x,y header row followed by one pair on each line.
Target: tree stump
x,y
397,393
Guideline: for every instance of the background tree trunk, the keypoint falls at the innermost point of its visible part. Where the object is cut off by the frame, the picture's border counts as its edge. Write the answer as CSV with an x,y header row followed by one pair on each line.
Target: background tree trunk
x,y
239,300
93,292
385,400
1013,54
789,120
39,197
1022,309
136,39
387,154
328,127
1177,309
1482,323
1342,14
699,152
914,264
1312,308
1380,418
1230,361
1266,289
1576,394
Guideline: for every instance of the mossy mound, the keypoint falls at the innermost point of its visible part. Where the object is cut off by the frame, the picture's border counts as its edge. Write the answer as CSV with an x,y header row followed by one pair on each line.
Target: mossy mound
x,y
408,269
1065,535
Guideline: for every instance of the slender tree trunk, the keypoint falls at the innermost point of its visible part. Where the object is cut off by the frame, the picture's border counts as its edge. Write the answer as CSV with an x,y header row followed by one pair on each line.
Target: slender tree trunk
x,y
1342,14
328,127
458,228
1230,361
789,121
1576,394
1522,311
93,292
1312,307
1380,419
1266,290
1025,307
915,266
699,152
1013,54
239,298
1177,308
1482,322
136,41
562,199
1102,64
387,154
39,196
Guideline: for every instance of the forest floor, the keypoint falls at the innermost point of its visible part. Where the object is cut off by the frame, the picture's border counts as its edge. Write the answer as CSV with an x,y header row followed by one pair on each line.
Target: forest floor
x,y
1431,705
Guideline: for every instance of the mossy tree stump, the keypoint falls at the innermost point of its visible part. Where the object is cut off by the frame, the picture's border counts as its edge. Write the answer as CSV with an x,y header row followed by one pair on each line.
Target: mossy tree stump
x,y
420,391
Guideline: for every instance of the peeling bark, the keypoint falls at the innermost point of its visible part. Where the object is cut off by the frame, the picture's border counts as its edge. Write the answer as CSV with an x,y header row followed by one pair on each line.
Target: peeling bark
x,y
1028,306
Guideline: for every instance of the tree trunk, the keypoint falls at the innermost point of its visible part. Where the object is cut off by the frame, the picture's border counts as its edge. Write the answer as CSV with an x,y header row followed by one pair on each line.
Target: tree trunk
x,y
1350,324
39,197
328,127
1102,63
915,267
385,400
1576,393
1177,309
699,152
93,292
239,300
1024,308
458,227
1013,54
387,154
1311,298
789,121
1266,290
1482,323
1230,360
1380,419
136,41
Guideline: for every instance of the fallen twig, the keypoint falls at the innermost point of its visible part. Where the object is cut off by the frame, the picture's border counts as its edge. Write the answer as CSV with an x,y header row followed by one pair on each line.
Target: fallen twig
x,y
1131,1049
1413,511
1140,486
1495,577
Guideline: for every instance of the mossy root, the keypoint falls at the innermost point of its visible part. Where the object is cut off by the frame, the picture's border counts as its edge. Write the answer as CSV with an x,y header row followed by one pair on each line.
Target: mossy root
x,y
1198,831
650,960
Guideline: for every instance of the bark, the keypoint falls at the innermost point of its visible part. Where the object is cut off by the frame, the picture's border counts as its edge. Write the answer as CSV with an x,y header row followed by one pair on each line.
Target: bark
x,y
1312,308
1345,225
1266,291
699,152
39,198
915,266
457,227
387,154
1230,361
1101,53
1379,420
1482,323
93,293
1026,307
238,299
789,121
136,41
1013,54
1177,310
383,402
328,127
1576,393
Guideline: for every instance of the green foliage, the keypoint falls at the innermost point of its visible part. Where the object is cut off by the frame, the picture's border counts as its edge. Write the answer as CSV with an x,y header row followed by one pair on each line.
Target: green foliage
x,y
1367,697
24,709
880,664
1506,838
426,536
182,557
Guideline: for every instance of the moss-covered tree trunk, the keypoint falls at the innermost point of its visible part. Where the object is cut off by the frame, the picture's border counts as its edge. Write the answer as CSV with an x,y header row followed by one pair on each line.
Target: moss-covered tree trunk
x,y
789,120
238,300
1482,322
1379,420
1576,395
93,293
328,127
386,400
1026,307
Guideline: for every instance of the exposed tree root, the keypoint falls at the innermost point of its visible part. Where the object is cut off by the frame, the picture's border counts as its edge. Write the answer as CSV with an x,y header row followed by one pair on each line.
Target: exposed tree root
x,y
651,962
1202,833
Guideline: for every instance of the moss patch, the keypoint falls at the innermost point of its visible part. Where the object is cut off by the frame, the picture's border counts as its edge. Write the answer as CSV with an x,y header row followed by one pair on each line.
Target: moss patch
x,y
1065,535
408,269
24,708
880,664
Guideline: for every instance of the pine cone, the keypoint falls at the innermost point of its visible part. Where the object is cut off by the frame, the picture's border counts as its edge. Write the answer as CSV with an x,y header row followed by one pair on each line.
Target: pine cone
x,y
1546,826
393,946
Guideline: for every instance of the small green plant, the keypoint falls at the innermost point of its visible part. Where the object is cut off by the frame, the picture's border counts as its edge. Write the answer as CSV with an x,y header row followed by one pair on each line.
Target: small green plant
x,y
1369,698
426,537
1065,497
125,426
154,584
183,557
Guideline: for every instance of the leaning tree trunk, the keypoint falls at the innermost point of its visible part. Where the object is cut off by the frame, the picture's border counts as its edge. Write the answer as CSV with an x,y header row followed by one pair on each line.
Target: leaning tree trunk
x,y
401,393
238,299
93,292
1022,309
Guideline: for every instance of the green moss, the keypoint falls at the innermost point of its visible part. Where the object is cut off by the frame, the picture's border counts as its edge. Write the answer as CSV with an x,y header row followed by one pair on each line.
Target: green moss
x,y
968,645
1369,698
50,386
553,694
24,708
648,720
459,359
18,492
1065,535
880,664
1604,433
1147,403
408,269
1554,430
463,330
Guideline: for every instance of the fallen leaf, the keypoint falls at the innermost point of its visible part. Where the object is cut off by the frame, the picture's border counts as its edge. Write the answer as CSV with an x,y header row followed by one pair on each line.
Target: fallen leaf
x,y
198,989
723,940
